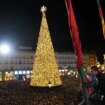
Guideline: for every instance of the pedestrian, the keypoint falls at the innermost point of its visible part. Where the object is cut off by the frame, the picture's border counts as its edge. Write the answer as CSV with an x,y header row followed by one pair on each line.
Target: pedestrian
x,y
98,96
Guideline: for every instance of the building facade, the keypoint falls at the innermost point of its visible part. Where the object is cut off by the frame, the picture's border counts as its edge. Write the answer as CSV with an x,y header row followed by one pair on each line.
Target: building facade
x,y
92,59
20,62
23,59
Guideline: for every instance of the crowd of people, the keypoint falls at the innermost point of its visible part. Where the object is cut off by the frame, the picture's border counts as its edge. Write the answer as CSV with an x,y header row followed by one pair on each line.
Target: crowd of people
x,y
20,93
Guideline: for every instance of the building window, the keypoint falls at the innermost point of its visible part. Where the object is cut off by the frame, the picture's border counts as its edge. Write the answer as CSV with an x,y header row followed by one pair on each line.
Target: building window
x,y
59,62
24,68
71,62
62,62
20,62
23,57
11,62
68,62
27,62
31,57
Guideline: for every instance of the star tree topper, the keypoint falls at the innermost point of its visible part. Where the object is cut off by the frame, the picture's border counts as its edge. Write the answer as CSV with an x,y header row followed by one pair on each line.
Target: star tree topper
x,y
43,9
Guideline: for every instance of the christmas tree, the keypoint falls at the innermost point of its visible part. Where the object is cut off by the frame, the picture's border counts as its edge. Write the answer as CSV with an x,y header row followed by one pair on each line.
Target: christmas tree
x,y
45,70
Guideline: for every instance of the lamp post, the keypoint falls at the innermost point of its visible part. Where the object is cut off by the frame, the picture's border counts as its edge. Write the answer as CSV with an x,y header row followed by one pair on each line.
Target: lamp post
x,y
4,50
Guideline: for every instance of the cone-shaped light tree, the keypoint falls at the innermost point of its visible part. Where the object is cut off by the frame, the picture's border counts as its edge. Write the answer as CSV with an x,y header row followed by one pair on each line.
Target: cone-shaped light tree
x,y
45,69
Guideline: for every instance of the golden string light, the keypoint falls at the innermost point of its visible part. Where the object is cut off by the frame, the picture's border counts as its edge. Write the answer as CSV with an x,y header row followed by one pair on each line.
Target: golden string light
x,y
45,67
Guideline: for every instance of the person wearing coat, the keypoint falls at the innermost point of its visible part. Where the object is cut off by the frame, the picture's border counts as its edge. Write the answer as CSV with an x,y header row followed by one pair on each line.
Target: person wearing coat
x,y
100,84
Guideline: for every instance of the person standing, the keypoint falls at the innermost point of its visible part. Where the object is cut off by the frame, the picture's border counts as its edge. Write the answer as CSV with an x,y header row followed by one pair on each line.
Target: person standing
x,y
99,86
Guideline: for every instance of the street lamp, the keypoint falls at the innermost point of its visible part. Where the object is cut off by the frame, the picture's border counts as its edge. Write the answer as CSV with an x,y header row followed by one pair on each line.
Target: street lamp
x,y
4,48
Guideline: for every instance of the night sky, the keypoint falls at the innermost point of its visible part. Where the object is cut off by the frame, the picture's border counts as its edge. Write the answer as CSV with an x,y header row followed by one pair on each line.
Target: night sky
x,y
20,24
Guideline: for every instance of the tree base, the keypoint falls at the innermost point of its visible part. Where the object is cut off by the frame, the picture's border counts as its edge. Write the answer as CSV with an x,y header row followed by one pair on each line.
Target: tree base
x,y
56,88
